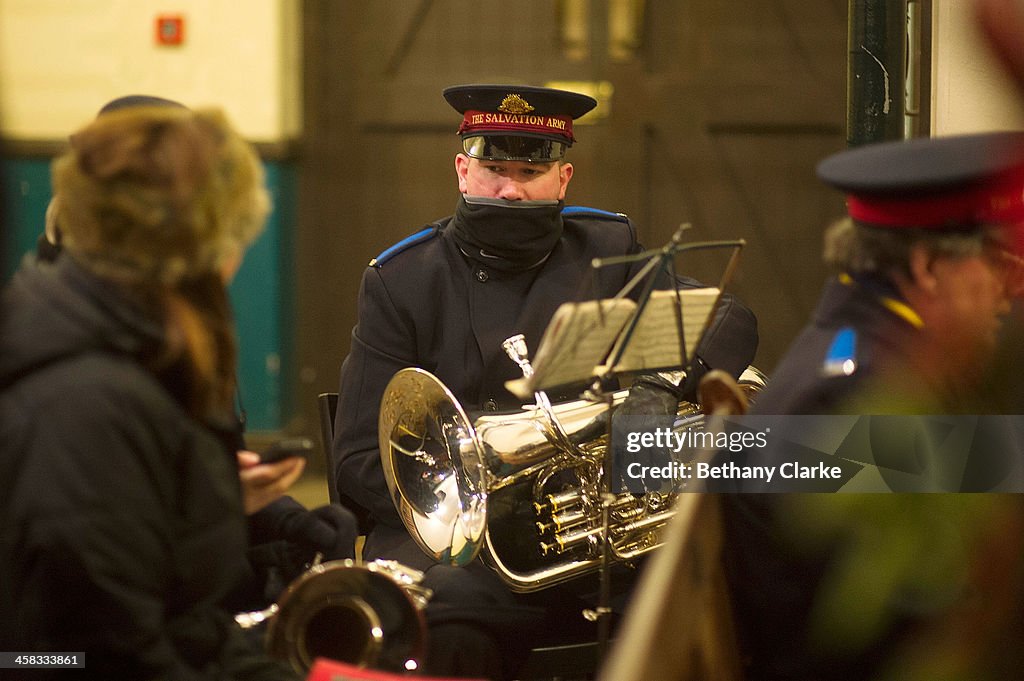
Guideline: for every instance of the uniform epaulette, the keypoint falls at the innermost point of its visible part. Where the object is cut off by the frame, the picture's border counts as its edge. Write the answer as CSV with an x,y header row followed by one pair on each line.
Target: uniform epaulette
x,y
409,241
570,211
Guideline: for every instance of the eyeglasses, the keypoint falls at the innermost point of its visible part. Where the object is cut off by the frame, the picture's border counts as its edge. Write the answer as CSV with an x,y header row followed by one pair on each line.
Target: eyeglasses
x,y
1009,266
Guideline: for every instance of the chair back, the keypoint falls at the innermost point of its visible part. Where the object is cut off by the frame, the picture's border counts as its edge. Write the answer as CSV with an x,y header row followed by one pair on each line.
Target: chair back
x,y
327,406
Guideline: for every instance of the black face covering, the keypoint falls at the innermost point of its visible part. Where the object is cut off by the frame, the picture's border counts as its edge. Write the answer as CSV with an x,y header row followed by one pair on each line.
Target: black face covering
x,y
508,235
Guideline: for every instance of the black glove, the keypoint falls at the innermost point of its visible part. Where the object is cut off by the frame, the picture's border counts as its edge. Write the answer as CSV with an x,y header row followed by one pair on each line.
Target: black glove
x,y
285,536
329,530
659,395
650,395
652,404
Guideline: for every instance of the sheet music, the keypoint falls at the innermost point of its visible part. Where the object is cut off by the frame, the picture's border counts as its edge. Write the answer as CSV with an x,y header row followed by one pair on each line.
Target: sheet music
x,y
582,336
576,340
655,343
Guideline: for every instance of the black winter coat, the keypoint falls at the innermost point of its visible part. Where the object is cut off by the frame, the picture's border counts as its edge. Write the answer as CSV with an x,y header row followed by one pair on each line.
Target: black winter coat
x,y
122,533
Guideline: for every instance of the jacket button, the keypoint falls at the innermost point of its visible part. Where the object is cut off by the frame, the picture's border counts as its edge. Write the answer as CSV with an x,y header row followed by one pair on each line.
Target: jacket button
x,y
482,276
490,405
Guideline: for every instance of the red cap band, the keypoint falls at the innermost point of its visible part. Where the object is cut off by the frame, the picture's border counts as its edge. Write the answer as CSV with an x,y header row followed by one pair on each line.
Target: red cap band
x,y
517,124
997,201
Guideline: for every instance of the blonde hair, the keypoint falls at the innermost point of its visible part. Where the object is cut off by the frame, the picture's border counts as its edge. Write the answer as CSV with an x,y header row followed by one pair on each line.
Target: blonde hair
x,y
158,200
158,193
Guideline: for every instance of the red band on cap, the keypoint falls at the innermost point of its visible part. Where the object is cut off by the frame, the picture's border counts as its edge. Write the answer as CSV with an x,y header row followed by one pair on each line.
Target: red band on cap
x,y
997,201
483,121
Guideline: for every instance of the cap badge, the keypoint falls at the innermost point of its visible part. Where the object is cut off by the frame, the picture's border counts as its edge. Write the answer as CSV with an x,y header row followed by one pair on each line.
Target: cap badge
x,y
514,104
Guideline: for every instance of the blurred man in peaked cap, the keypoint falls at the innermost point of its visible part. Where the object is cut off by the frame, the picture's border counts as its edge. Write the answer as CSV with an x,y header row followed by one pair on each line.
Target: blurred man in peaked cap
x,y
927,267
445,298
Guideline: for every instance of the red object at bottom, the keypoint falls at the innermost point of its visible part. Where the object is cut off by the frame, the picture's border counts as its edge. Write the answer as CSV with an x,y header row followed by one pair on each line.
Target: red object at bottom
x,y
330,670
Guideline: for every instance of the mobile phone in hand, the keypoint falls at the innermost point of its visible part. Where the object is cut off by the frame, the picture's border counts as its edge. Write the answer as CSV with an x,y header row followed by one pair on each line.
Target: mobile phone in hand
x,y
288,447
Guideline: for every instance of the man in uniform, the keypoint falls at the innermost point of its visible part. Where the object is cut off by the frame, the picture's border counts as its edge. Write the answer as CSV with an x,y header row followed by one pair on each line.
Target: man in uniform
x,y
928,266
445,298
926,275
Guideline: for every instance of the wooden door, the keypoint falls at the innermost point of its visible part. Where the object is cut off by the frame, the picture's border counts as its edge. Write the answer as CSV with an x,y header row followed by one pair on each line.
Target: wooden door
x,y
718,115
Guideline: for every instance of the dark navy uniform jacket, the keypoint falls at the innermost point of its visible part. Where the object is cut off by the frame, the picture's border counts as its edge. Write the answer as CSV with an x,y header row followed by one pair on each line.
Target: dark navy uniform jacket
x,y
426,304
857,342
859,329
772,589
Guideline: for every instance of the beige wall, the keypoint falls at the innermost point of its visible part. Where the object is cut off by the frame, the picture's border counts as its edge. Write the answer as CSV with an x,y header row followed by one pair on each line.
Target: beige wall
x,y
970,92
60,60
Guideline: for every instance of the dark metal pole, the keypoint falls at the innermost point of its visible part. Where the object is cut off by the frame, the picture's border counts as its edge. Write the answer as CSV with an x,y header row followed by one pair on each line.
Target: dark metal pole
x,y
877,42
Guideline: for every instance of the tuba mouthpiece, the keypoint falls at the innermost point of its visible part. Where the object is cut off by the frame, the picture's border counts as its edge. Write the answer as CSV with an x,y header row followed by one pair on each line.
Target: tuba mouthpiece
x,y
515,348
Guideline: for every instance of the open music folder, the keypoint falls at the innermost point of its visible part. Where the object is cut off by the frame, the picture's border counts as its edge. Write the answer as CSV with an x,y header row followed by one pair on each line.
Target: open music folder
x,y
591,338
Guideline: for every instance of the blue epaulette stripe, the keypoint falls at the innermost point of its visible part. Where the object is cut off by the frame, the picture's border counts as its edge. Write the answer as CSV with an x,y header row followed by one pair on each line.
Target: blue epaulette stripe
x,y
403,244
573,210
841,357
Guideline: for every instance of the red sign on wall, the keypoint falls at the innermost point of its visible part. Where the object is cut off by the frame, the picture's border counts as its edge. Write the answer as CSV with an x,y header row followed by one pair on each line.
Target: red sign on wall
x,y
170,29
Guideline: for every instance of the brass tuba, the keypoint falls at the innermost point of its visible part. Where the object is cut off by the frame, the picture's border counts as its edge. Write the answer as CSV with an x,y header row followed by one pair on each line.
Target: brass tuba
x,y
524,489
367,615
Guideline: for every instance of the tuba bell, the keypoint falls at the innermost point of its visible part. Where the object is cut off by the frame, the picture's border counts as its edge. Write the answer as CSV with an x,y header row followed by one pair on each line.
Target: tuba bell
x,y
366,615
522,489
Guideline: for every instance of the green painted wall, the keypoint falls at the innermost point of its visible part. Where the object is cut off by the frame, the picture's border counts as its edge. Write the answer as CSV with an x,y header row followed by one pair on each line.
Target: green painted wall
x,y
261,293
26,191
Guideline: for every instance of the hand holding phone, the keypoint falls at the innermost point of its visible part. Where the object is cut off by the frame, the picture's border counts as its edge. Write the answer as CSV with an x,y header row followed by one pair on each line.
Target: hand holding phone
x,y
288,447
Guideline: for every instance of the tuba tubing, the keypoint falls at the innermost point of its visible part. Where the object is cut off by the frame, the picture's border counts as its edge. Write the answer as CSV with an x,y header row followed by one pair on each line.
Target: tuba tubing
x,y
445,474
